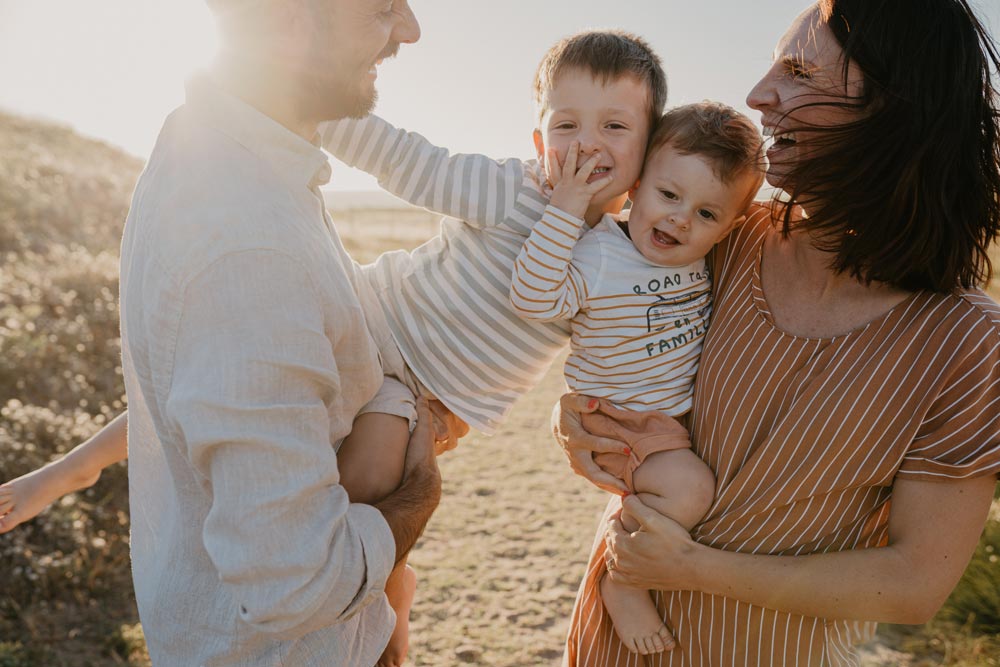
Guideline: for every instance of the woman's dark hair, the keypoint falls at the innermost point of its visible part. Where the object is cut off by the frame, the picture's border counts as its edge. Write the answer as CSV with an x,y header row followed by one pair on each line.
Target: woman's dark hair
x,y
909,193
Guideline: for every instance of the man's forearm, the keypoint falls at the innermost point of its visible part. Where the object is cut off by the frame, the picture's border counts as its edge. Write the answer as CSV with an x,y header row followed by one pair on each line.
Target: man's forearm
x,y
408,509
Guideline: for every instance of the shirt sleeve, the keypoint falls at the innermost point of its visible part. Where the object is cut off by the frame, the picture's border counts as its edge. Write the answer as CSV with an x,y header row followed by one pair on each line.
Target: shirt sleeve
x,y
255,376
474,188
546,284
960,437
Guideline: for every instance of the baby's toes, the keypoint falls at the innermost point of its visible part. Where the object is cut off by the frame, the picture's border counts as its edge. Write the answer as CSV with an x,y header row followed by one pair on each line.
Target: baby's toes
x,y
668,639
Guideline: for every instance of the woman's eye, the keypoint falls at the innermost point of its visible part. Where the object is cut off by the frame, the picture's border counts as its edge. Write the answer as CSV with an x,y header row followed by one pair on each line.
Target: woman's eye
x,y
389,8
797,70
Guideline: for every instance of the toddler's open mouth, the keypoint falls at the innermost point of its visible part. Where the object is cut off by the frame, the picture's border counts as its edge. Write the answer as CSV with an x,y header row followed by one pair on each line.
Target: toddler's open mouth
x,y
663,239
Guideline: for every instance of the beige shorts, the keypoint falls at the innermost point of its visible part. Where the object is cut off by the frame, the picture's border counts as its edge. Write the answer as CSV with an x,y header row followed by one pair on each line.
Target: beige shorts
x,y
400,387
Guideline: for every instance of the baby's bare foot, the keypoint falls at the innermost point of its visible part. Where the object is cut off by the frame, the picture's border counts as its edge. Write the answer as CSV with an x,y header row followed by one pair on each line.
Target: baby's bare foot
x,y
400,590
23,498
635,618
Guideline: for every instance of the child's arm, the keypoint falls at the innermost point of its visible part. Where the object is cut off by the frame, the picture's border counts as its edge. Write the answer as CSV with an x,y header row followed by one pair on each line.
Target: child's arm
x,y
546,285
23,498
472,188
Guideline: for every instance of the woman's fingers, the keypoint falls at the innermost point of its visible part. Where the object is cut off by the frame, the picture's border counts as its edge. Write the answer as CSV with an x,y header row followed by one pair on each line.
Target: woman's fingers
x,y
568,428
583,464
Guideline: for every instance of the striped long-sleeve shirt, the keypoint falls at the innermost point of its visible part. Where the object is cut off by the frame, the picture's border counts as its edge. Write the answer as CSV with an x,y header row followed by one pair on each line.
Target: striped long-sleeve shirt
x,y
806,436
447,301
637,327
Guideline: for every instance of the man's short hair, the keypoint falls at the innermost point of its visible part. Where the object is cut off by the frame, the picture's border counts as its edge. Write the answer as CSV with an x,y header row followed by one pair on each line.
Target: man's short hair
x,y
727,139
607,55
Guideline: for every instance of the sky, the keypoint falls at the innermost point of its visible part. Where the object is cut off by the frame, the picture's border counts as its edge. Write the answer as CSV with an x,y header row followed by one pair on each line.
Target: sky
x,y
113,69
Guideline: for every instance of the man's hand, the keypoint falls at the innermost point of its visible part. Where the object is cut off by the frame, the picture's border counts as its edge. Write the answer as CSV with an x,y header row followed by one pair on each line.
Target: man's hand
x,y
580,446
408,509
448,428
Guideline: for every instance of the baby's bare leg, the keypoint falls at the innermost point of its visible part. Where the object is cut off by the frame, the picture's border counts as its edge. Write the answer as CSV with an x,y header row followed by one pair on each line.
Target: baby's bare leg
x,y
679,485
371,467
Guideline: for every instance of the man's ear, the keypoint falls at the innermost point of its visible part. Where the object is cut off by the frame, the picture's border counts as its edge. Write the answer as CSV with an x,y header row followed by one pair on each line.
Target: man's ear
x,y
536,136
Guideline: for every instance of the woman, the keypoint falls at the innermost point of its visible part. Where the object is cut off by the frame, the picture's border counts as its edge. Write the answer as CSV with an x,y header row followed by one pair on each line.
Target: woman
x,y
851,360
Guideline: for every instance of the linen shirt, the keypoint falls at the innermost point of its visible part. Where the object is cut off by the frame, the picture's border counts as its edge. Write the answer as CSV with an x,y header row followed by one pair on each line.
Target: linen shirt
x,y
245,354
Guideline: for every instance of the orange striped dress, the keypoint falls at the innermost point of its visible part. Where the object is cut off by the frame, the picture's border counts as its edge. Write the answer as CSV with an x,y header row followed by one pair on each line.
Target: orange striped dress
x,y
806,436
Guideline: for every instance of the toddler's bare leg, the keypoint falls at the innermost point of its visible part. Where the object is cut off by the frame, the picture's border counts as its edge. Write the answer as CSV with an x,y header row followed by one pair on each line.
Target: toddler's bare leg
x,y
399,588
371,467
679,485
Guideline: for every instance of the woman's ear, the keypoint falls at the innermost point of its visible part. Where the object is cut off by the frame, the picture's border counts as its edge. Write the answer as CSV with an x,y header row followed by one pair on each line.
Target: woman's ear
x,y
539,145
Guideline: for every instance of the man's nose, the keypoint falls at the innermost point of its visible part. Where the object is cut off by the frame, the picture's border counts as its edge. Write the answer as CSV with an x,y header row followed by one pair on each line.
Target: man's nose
x,y
407,28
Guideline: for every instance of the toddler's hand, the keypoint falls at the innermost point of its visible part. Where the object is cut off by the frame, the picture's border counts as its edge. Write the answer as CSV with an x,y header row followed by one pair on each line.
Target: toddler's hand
x,y
571,191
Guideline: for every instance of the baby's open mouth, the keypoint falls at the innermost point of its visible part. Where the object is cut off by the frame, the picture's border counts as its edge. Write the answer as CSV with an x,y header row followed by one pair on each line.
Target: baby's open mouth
x,y
662,238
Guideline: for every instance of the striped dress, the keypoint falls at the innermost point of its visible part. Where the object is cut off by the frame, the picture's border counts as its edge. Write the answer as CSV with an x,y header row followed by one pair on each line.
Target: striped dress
x,y
447,302
806,436
637,327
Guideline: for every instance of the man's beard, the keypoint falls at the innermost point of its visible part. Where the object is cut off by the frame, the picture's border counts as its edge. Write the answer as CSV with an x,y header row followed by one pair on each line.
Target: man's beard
x,y
333,93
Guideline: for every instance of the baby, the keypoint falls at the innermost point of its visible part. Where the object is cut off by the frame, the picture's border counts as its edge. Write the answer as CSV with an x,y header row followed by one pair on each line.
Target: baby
x,y
637,293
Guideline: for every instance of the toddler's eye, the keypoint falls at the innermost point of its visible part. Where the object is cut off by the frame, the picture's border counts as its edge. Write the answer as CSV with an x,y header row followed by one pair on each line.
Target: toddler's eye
x,y
667,194
564,126
616,126
705,214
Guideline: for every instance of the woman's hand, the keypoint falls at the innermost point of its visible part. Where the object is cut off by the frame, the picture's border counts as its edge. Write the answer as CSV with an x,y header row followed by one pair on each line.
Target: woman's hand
x,y
580,446
657,556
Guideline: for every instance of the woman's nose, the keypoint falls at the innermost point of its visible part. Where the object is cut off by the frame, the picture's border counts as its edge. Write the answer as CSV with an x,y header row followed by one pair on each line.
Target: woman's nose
x,y
763,94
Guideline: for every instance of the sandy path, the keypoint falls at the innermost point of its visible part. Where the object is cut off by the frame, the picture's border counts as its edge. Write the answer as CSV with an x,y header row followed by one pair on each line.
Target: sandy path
x,y
502,558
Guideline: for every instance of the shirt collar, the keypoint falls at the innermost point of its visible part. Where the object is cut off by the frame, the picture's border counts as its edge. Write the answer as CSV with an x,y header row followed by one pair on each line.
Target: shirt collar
x,y
293,158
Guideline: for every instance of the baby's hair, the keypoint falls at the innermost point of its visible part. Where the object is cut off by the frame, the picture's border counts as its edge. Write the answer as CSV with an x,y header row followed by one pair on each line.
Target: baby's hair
x,y
726,138
608,55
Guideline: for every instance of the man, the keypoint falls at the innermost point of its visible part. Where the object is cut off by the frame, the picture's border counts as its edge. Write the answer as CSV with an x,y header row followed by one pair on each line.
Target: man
x,y
246,356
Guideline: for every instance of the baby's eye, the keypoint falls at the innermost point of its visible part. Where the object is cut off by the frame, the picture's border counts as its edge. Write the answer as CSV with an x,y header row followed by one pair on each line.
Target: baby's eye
x,y
705,214
667,194
616,126
564,126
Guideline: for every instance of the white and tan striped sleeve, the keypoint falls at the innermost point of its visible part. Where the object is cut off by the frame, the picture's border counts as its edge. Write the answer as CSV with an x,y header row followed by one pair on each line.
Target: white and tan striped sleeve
x,y
546,285
960,437
473,188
